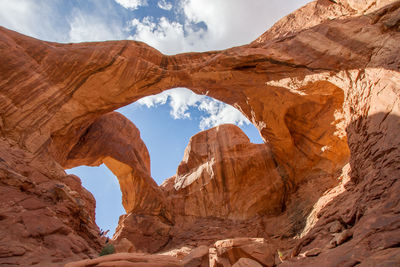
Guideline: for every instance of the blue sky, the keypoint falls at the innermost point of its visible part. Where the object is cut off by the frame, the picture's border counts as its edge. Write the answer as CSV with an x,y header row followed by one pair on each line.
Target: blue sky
x,y
168,120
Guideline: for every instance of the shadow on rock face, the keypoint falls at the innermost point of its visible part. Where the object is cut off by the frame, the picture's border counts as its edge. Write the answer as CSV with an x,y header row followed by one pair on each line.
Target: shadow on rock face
x,y
46,107
360,225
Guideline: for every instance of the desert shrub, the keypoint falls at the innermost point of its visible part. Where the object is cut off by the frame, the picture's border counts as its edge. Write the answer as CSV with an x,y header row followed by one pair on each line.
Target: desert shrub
x,y
297,214
107,249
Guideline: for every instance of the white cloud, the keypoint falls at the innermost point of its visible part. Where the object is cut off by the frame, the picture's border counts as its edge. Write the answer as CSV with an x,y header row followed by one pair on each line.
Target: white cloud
x,y
154,100
33,18
86,28
131,4
181,100
163,4
169,37
16,15
220,113
44,20
237,22
204,24
225,23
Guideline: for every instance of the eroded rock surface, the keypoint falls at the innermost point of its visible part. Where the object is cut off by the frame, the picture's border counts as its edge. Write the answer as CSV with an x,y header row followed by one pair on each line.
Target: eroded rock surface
x,y
115,141
129,259
322,86
46,216
257,249
218,173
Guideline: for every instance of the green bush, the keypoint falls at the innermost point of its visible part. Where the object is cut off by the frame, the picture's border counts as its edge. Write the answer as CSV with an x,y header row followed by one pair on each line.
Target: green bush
x,y
107,249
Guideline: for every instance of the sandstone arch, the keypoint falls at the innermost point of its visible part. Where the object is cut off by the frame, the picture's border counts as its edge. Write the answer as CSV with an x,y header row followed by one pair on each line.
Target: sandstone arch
x,y
115,141
257,75
343,62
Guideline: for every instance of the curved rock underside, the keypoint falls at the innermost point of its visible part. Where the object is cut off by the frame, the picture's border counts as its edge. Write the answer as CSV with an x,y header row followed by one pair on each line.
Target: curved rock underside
x,y
114,140
321,86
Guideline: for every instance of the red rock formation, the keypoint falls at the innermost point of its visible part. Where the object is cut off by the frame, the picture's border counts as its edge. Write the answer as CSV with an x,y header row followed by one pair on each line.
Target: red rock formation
x,y
219,170
246,262
148,233
197,257
323,94
129,259
46,216
115,141
229,251
130,61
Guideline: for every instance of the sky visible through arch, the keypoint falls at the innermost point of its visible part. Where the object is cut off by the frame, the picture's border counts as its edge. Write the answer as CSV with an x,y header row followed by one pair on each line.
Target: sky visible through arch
x,y
168,120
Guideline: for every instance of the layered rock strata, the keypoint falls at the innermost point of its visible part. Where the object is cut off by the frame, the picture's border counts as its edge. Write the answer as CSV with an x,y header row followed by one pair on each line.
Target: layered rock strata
x,y
218,173
115,141
323,93
46,216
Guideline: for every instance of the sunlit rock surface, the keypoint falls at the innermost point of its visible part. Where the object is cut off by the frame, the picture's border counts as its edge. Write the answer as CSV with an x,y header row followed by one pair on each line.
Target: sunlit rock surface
x,y
322,86
115,141
218,173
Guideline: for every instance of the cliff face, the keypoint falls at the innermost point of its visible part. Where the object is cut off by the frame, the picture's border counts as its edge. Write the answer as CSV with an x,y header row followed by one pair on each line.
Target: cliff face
x,y
322,87
115,141
218,173
275,82
46,216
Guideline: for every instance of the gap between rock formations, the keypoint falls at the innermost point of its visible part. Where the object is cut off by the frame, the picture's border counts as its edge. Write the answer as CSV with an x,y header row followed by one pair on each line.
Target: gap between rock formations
x,y
322,87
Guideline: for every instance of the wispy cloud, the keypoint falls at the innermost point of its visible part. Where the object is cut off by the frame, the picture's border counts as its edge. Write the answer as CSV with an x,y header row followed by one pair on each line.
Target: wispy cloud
x,y
131,4
181,100
189,25
85,27
163,4
220,113
168,37
46,20
33,18
210,24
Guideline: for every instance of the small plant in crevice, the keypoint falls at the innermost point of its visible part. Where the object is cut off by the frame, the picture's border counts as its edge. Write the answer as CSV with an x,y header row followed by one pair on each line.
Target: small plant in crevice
x,y
107,249
280,255
297,217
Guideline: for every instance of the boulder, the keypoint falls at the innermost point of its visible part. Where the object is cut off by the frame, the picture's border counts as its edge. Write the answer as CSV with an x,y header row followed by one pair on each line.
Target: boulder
x,y
246,262
128,259
199,257
257,249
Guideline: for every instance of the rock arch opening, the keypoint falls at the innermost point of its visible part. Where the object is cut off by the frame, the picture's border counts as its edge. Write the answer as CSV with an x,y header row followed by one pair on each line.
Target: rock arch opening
x,y
104,186
171,118
220,167
289,81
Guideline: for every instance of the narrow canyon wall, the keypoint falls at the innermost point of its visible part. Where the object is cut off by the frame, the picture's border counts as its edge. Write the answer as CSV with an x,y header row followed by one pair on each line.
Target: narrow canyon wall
x,y
322,87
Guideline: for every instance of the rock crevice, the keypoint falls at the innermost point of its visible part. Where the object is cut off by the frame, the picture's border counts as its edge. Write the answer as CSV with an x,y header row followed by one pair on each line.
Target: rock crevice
x,y
322,87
